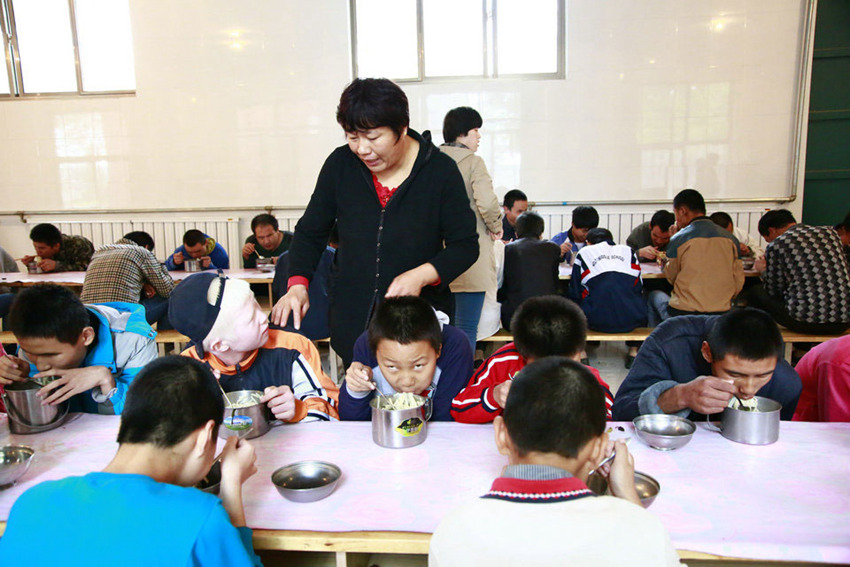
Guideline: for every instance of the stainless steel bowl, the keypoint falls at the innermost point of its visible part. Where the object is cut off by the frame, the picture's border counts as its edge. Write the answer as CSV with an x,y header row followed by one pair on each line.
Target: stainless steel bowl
x,y
265,264
664,432
15,461
647,487
212,482
306,481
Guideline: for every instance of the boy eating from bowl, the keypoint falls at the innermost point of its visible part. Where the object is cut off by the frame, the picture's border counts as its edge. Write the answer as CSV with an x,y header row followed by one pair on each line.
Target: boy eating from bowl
x,y
230,334
406,350
548,325
693,365
88,354
552,431
140,510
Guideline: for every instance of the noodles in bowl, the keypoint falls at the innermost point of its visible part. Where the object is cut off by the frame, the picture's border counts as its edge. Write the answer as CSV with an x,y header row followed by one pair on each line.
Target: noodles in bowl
x,y
400,401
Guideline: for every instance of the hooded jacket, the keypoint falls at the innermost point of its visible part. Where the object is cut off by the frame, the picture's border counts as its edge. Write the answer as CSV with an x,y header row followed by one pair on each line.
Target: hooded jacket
x,y
124,344
427,220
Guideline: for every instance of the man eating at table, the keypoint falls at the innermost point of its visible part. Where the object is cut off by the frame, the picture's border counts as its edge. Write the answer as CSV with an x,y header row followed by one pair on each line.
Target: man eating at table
x,y
141,509
540,511
57,252
692,366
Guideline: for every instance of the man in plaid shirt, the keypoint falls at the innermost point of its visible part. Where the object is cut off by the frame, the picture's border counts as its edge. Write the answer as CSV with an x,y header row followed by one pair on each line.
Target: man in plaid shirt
x,y
805,274
127,271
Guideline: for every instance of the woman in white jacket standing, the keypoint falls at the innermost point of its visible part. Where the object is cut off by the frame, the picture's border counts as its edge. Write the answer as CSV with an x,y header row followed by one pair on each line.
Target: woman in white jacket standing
x,y
461,134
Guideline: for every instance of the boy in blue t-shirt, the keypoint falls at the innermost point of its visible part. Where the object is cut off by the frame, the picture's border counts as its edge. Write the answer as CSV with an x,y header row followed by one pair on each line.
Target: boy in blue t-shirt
x,y
141,509
406,349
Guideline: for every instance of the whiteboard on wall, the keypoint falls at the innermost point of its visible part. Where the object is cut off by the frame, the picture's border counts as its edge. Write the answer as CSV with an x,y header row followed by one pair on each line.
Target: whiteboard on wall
x,y
658,95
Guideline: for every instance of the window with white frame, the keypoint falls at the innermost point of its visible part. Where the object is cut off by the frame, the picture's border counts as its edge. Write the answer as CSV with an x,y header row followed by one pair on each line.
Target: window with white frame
x,y
415,40
62,47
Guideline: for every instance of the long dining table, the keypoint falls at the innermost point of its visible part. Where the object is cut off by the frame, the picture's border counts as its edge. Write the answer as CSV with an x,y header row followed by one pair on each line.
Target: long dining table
x,y
76,279
789,501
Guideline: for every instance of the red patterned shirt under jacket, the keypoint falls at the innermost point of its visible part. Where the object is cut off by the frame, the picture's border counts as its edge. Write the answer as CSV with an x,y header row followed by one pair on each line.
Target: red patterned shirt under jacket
x,y
476,404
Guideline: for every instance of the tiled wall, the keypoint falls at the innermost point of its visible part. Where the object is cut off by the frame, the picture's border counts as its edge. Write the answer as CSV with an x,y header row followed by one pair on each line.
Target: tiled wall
x,y
235,108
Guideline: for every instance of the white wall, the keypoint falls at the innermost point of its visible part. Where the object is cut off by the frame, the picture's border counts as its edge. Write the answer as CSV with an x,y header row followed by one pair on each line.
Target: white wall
x,y
235,108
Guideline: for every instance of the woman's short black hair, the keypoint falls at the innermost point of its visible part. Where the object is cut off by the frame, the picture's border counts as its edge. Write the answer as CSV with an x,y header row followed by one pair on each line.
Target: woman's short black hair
x,y
48,311
555,405
747,333
597,235
46,233
169,399
548,325
406,319
776,218
585,217
372,103
529,225
459,121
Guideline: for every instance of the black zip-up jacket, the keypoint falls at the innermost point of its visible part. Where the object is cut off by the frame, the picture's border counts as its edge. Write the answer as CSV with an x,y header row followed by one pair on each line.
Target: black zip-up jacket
x,y
428,219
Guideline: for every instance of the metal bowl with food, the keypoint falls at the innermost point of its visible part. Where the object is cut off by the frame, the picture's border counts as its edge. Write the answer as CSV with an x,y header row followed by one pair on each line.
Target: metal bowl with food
x,y
306,481
15,461
245,403
647,487
664,432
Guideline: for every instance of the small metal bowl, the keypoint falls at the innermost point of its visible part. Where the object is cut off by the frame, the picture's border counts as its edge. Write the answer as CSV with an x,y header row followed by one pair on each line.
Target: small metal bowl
x,y
647,487
265,264
664,432
212,482
15,461
306,481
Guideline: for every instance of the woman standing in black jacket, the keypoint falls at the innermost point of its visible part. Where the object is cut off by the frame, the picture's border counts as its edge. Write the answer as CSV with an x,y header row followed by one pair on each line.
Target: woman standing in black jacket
x,y
405,225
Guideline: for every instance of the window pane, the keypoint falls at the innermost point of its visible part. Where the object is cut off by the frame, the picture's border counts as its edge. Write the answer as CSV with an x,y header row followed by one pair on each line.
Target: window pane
x,y
4,80
45,45
106,45
527,36
454,37
386,39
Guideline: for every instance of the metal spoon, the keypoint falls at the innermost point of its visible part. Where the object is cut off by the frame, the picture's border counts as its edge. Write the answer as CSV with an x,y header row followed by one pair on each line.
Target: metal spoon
x,y
609,458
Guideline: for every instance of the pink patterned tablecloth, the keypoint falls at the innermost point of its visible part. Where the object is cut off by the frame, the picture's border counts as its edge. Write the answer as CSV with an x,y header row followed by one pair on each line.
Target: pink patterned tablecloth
x,y
788,501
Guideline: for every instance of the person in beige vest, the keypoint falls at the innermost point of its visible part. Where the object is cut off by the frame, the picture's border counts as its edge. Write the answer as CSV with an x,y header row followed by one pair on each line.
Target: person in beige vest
x,y
461,134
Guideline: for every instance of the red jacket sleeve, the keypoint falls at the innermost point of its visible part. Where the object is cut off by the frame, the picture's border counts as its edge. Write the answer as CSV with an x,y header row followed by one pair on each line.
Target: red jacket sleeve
x,y
475,403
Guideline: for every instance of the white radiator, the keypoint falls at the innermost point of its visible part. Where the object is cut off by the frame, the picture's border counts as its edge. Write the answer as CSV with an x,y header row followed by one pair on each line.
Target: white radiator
x,y
167,233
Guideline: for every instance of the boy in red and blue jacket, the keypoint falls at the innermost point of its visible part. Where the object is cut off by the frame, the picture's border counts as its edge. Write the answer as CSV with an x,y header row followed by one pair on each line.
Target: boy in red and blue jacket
x,y
542,326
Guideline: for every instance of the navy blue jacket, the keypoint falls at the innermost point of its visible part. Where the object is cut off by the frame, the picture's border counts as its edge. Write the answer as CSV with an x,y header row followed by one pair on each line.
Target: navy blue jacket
x,y
606,284
454,367
671,356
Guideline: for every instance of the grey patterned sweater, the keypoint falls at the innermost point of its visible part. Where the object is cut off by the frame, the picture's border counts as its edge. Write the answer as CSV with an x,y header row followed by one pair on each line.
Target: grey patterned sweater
x,y
806,268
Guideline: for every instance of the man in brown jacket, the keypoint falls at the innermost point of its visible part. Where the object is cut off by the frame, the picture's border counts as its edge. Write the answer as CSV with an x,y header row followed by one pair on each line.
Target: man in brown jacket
x,y
702,264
